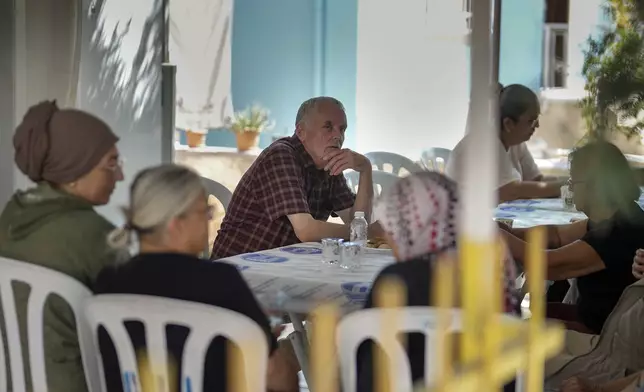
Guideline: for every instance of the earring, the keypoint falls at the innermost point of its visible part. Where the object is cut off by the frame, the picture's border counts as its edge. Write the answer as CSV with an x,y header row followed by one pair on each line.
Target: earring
x,y
73,185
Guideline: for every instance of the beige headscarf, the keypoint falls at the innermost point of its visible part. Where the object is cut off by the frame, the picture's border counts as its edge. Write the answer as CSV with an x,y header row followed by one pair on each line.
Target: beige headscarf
x,y
60,146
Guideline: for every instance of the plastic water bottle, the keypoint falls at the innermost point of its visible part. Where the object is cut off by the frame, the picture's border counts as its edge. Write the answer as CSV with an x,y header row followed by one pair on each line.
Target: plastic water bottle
x,y
359,227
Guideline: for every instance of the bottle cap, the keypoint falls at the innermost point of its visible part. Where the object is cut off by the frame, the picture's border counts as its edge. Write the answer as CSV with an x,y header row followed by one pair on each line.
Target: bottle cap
x,y
358,214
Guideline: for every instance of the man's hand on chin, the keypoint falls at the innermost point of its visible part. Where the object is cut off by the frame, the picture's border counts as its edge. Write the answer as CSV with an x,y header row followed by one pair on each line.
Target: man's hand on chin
x,y
339,160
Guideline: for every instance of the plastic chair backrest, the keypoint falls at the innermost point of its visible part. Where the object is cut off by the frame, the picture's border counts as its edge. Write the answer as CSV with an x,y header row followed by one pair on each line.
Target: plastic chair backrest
x,y
217,190
205,322
42,282
366,324
398,163
436,158
381,181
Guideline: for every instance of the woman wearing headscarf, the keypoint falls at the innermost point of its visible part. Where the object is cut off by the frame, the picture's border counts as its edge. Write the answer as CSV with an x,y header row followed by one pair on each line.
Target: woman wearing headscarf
x,y
72,158
418,216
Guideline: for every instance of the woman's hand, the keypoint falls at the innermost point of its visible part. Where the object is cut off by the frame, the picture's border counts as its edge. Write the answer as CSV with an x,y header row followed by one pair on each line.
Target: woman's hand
x,y
576,384
638,264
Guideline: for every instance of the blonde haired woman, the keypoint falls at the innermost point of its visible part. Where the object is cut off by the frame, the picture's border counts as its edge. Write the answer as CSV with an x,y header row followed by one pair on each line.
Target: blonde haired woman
x,y
168,213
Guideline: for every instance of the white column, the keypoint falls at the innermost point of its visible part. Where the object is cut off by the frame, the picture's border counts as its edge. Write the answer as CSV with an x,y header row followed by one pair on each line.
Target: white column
x,y
478,188
584,19
412,83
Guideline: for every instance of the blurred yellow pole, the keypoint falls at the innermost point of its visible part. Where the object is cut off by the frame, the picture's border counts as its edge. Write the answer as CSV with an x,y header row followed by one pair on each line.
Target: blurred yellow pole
x,y
235,361
443,294
323,356
493,336
536,267
476,276
390,295
150,374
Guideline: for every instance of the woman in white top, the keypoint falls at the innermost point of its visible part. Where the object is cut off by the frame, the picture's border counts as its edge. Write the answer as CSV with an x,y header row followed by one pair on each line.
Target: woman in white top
x,y
519,176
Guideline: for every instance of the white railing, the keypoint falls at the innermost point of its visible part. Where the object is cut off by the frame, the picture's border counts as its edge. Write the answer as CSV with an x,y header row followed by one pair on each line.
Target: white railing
x,y
555,55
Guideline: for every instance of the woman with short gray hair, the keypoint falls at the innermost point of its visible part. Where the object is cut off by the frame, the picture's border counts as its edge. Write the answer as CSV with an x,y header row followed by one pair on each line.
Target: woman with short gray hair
x,y
168,213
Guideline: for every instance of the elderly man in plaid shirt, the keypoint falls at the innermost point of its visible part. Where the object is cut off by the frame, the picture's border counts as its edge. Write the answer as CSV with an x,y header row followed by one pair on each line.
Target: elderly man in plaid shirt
x,y
296,184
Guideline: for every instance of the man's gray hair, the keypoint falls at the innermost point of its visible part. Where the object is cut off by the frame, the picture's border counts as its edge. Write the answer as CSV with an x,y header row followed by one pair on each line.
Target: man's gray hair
x,y
311,104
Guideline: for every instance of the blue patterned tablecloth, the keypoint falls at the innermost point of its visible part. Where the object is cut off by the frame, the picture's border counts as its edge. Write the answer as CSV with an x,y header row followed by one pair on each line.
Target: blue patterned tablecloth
x,y
528,213
298,273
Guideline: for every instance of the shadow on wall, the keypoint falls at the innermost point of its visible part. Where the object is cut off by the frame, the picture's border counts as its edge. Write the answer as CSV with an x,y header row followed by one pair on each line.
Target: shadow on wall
x,y
120,80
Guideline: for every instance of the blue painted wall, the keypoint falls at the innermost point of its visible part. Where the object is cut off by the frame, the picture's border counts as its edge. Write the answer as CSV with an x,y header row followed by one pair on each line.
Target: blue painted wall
x,y
286,51
521,55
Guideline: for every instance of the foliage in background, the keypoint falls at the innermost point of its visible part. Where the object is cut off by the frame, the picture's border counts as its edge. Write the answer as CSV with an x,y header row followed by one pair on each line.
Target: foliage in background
x,y
614,72
251,119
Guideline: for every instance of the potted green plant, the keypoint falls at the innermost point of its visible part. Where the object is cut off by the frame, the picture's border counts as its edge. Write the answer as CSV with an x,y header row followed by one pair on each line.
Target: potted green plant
x,y
248,124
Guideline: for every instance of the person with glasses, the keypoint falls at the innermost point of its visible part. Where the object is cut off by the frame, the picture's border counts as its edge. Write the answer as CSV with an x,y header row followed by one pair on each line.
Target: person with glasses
x,y
168,214
598,251
72,158
518,174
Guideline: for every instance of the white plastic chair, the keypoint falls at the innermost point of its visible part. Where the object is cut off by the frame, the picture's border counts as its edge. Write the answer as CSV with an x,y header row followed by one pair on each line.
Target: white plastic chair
x,y
219,191
397,162
205,323
42,282
366,324
436,158
381,181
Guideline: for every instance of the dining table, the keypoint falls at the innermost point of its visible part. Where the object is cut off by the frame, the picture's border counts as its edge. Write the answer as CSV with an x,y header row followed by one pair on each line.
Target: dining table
x,y
294,280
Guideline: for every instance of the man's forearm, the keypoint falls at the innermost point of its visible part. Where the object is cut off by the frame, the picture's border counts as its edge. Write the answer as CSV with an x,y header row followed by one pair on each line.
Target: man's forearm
x,y
364,197
318,230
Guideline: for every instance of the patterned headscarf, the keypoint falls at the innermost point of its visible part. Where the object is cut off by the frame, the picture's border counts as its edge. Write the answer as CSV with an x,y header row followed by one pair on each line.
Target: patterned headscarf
x,y
419,214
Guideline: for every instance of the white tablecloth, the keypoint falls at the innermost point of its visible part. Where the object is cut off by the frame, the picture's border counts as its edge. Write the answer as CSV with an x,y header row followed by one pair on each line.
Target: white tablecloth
x,y
295,278
528,213
297,273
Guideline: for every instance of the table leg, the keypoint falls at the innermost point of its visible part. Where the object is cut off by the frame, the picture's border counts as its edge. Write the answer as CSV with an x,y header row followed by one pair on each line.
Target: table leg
x,y
300,342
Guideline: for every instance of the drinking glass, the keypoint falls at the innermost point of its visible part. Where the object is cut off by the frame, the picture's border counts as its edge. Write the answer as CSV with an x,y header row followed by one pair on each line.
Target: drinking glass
x,y
350,255
566,198
331,250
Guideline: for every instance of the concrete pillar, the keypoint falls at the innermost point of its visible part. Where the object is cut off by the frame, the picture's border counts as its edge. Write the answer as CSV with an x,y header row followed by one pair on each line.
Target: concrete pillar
x,y
7,110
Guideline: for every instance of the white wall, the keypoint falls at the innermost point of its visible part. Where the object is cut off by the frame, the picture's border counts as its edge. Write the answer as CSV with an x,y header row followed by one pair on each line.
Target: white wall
x,y
120,80
118,57
585,18
412,86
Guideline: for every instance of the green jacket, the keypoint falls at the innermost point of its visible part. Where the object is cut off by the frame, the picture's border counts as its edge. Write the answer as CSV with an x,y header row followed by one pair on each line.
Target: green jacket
x,y
53,229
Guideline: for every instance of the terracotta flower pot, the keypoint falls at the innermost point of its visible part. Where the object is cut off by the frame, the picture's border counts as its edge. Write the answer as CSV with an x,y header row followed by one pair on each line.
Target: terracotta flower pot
x,y
195,139
247,140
